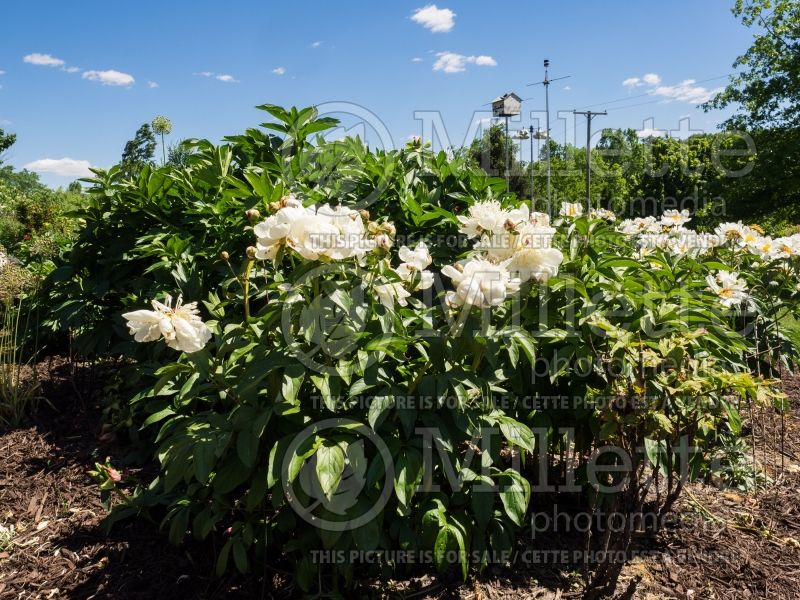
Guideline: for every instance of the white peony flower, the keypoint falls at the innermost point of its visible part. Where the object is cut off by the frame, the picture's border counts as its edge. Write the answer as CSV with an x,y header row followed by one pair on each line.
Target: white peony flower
x,y
675,218
539,264
483,216
787,247
749,239
497,247
731,290
730,232
418,258
639,225
602,213
336,233
414,262
571,209
480,283
539,218
181,327
389,293
272,233
765,248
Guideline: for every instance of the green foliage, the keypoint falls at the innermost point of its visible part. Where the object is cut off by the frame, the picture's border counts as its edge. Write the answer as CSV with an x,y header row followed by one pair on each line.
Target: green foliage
x,y
19,390
34,221
495,151
6,141
767,89
138,152
315,404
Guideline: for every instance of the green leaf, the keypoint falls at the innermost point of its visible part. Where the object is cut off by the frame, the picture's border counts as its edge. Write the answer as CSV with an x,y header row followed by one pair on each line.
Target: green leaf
x,y
330,466
515,493
378,409
516,433
482,500
367,536
247,447
408,475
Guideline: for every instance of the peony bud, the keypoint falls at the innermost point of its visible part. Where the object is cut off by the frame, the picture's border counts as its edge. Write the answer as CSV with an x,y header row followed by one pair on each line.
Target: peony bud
x,y
389,228
275,206
113,474
224,255
252,214
383,241
251,252
364,214
373,227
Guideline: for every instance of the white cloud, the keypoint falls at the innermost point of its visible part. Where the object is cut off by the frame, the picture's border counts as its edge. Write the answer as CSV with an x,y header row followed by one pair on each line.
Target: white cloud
x,y
316,44
205,73
152,85
567,88
279,70
438,20
686,91
44,60
71,69
2,72
450,62
109,77
66,167
648,132
651,79
416,59
225,78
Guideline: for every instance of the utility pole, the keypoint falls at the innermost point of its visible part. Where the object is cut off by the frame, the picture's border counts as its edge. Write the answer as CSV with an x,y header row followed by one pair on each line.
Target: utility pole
x,y
508,157
531,167
589,115
546,83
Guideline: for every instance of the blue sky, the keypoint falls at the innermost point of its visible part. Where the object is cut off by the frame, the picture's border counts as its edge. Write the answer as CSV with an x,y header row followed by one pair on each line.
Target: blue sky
x,y
78,78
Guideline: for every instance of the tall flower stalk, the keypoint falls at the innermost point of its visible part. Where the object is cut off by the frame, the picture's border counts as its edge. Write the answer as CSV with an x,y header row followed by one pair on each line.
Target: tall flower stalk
x,y
162,126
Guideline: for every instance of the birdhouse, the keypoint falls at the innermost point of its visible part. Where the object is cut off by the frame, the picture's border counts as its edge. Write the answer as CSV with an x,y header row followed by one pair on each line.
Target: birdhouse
x,y
507,105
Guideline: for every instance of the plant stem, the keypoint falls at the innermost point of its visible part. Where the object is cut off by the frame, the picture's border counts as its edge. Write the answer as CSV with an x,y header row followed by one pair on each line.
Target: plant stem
x,y
246,288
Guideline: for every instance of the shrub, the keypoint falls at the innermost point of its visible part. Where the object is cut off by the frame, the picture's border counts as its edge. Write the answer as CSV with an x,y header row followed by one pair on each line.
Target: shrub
x,y
339,387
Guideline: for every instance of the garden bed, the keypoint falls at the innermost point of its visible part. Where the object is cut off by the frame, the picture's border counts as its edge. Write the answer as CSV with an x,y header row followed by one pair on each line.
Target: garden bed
x,y
723,544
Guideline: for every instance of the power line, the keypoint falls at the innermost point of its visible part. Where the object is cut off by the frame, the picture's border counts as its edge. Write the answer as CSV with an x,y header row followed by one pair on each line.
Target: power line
x,y
623,99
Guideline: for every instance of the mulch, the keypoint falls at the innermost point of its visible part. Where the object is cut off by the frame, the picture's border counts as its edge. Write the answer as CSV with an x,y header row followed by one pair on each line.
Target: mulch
x,y
722,544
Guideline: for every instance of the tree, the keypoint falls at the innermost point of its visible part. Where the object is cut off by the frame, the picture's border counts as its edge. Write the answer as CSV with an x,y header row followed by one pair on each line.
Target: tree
x,y
768,89
6,141
489,152
75,187
139,151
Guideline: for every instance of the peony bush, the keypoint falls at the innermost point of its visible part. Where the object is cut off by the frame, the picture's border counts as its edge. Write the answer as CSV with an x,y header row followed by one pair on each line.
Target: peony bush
x,y
370,354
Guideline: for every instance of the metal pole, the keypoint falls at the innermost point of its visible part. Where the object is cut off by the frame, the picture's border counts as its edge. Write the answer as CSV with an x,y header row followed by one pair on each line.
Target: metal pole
x,y
546,83
588,165
508,152
589,114
530,131
547,139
